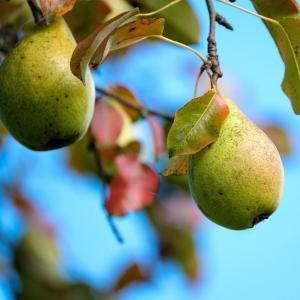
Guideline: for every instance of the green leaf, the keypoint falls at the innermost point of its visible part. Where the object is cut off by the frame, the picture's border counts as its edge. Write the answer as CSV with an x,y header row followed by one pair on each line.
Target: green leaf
x,y
87,48
287,37
197,124
181,22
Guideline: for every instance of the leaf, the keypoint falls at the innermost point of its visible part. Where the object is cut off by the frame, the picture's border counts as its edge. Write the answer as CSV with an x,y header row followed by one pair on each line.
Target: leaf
x,y
131,275
175,238
128,95
180,210
158,136
87,48
181,21
197,124
81,158
136,31
287,38
9,12
279,137
86,16
133,187
52,8
132,148
28,210
177,166
107,124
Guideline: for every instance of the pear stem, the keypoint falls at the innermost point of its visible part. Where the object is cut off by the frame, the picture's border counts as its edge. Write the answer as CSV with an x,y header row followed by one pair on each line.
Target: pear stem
x,y
36,11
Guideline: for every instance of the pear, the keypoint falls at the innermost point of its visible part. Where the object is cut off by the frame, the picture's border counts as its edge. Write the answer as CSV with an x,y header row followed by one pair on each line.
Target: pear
x,y
42,104
238,180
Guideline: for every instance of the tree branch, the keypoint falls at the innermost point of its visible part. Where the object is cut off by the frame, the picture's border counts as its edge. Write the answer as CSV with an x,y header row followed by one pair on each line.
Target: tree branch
x,y
223,22
144,112
106,180
213,59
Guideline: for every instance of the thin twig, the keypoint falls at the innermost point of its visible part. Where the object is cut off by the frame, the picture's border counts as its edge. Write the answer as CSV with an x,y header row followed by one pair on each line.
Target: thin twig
x,y
106,179
36,11
144,112
248,11
159,10
213,58
223,22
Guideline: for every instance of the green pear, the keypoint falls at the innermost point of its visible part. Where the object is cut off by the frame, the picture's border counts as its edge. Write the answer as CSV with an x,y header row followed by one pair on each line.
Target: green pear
x,y
238,180
42,104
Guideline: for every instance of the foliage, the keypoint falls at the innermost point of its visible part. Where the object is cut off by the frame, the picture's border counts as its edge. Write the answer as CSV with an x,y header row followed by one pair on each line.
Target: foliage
x,y
111,153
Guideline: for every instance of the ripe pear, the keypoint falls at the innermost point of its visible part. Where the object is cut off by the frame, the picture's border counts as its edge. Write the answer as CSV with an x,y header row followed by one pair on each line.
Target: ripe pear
x,y
238,180
42,104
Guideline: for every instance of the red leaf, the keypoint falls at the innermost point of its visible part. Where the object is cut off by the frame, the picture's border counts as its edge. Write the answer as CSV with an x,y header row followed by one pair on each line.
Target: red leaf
x,y
129,96
133,188
158,135
107,124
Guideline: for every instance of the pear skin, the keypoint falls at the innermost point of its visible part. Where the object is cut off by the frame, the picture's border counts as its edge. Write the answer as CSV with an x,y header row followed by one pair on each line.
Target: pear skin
x,y
238,180
42,104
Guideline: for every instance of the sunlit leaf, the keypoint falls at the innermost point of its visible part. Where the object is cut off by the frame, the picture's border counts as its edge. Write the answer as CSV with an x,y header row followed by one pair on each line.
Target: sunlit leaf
x,y
197,124
131,275
86,16
287,38
177,166
87,48
136,31
158,135
133,187
181,21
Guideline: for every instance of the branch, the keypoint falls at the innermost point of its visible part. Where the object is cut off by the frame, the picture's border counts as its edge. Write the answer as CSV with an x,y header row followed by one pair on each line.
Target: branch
x,y
144,112
106,179
223,22
213,58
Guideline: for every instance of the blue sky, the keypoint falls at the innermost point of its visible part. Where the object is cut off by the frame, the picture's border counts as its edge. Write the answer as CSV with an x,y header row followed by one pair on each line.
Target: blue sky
x,y
260,264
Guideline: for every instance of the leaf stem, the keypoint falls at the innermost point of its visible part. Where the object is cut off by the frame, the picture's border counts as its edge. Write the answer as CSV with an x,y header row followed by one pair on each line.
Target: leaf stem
x,y
144,112
165,39
248,11
159,10
198,81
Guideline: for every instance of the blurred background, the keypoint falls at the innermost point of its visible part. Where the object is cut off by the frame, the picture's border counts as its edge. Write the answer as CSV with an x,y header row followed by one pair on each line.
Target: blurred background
x,y
53,228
